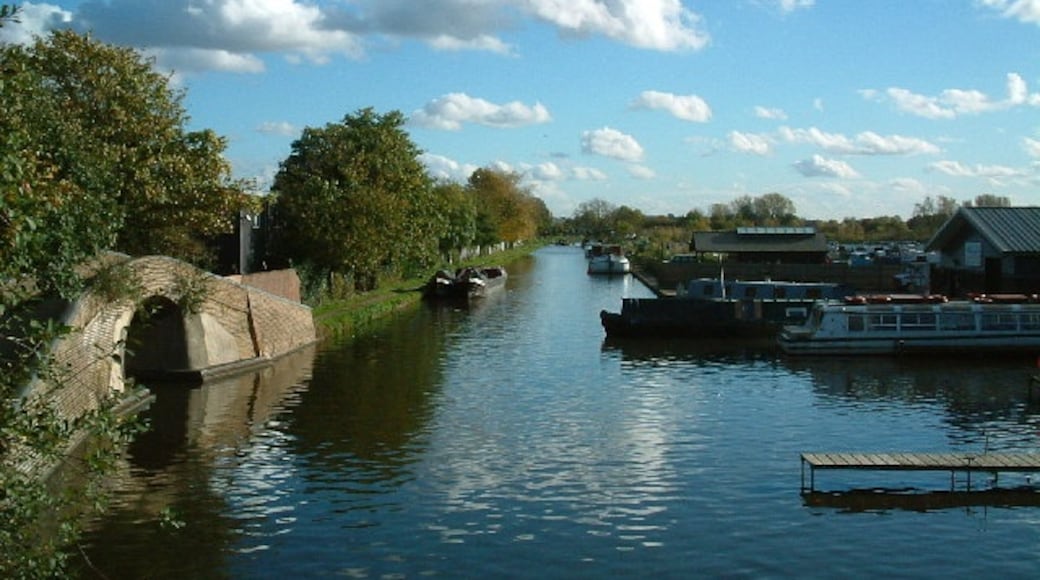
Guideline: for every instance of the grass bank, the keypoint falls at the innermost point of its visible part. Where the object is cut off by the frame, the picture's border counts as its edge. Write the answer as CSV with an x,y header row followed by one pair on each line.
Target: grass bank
x,y
360,312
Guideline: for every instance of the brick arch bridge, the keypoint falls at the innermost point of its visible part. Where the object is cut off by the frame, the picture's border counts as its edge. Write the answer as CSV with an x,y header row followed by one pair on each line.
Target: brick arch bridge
x,y
178,321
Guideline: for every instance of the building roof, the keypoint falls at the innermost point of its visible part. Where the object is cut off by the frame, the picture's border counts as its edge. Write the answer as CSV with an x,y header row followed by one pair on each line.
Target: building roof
x,y
761,240
1011,230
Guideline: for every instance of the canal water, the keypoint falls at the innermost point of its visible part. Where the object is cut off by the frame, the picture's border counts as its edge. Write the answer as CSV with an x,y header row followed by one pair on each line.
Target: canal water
x,y
510,439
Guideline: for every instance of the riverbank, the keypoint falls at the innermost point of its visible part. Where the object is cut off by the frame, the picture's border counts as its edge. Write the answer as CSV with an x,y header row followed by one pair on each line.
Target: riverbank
x,y
356,315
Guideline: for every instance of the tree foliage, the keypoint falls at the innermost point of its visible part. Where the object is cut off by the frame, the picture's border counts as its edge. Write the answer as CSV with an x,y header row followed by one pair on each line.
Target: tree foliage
x,y
354,199
92,157
506,210
107,124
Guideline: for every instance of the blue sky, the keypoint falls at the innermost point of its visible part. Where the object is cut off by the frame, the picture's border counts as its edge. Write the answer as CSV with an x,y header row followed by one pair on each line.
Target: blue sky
x,y
849,108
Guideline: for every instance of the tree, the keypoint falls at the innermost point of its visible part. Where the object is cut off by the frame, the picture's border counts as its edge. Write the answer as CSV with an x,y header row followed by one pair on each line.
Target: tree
x,y
51,219
506,209
354,199
108,124
989,200
592,218
774,209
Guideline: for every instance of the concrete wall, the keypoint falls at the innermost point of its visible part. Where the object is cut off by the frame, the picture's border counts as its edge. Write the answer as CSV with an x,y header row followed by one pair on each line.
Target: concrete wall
x,y
234,323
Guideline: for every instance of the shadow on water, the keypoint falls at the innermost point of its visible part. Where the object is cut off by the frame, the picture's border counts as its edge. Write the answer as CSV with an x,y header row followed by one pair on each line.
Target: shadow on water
x,y
881,499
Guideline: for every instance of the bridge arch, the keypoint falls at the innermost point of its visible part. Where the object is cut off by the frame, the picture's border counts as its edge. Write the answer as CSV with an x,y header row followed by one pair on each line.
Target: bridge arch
x,y
178,320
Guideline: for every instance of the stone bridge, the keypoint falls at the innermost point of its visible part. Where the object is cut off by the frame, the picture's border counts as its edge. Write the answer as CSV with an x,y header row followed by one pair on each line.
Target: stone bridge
x,y
155,317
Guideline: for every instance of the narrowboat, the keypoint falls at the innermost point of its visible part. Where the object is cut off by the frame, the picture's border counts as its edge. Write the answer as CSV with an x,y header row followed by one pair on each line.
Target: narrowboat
x,y
466,283
918,324
718,308
608,259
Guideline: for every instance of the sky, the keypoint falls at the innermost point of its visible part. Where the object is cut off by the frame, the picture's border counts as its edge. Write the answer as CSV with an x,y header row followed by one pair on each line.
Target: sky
x,y
849,108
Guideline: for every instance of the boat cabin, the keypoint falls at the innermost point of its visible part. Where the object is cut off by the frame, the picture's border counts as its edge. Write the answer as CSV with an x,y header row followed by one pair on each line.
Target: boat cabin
x,y
716,288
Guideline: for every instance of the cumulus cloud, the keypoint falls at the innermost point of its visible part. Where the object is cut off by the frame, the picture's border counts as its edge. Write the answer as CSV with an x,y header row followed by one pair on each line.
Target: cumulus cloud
x,y
234,34
958,169
653,24
952,103
547,171
865,143
770,113
34,20
441,167
818,166
749,143
685,107
452,110
611,143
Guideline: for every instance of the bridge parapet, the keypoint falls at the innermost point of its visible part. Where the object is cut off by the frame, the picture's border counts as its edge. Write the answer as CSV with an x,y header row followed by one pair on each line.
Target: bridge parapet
x,y
177,320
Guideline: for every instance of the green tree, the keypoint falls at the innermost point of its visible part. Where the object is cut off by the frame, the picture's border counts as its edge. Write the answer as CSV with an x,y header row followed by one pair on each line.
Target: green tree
x,y
110,125
459,212
989,200
50,220
504,207
354,199
592,218
774,209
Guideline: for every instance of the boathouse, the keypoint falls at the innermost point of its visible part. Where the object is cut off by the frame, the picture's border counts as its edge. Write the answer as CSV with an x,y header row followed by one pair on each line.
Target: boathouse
x,y
771,245
988,249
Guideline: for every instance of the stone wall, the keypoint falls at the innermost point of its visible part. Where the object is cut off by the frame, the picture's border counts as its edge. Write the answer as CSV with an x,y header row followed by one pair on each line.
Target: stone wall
x,y
230,323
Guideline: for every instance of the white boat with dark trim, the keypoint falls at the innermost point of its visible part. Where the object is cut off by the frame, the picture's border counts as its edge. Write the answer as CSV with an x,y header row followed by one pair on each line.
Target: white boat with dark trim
x,y
608,259
912,324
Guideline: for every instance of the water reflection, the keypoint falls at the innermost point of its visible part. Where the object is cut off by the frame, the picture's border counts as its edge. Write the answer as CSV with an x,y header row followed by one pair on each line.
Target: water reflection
x,y
168,473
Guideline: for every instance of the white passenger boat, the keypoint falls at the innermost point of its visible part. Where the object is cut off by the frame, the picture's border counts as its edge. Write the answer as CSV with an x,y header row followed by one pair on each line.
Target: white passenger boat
x,y
910,324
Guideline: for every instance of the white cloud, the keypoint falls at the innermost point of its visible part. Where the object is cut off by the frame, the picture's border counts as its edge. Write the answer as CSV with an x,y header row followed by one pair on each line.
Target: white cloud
x,y
484,42
582,173
441,167
770,113
1027,11
452,110
34,20
818,166
685,107
952,103
1032,147
865,143
611,143
547,171
234,34
654,24
792,5
641,171
749,143
282,128
958,169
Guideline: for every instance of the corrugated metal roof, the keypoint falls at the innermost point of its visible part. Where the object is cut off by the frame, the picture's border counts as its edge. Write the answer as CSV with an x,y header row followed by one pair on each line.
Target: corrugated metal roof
x,y
1011,230
732,242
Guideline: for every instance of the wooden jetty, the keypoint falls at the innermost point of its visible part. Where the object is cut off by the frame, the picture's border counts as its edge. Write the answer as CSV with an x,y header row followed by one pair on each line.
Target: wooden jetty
x,y
968,463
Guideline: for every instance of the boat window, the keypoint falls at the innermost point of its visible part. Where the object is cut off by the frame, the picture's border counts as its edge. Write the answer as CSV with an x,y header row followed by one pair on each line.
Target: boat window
x,y
856,323
957,321
999,321
813,293
709,290
1030,321
750,292
780,292
883,322
918,321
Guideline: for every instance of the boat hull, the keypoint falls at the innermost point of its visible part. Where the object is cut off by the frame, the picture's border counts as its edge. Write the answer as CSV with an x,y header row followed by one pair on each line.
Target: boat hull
x,y
685,318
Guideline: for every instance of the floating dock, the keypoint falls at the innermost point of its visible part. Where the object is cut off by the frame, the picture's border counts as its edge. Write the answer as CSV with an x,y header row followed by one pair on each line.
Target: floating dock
x,y
968,463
